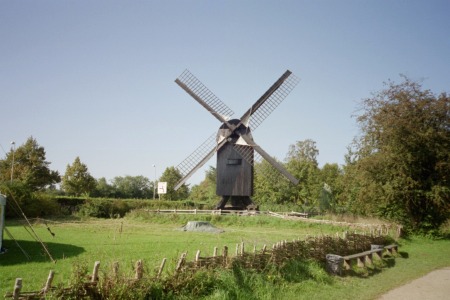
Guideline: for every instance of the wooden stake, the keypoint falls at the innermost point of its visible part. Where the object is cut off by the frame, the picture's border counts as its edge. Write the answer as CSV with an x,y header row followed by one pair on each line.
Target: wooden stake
x,y
115,269
48,284
215,252
17,288
197,256
180,262
264,249
161,267
242,248
139,270
95,271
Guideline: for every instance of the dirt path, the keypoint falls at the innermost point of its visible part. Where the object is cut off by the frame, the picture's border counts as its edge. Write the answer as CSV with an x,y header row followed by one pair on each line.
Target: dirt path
x,y
433,286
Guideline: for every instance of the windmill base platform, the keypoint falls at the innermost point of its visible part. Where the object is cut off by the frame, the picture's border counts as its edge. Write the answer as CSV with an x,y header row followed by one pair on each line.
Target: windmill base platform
x,y
236,203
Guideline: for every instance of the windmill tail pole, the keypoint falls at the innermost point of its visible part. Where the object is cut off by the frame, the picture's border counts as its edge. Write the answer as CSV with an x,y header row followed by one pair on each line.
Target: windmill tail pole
x,y
31,227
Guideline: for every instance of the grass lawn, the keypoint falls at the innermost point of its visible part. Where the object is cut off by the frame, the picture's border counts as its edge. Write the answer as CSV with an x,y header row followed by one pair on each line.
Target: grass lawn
x,y
126,241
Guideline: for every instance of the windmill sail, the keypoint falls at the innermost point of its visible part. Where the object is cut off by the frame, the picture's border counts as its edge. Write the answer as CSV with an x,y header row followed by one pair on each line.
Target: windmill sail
x,y
204,96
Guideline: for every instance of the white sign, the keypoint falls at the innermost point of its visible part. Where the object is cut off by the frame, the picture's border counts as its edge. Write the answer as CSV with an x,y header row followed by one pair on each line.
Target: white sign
x,y
162,188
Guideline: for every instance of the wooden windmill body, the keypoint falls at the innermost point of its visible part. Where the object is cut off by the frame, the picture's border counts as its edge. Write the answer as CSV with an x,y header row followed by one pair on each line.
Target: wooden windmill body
x,y
233,142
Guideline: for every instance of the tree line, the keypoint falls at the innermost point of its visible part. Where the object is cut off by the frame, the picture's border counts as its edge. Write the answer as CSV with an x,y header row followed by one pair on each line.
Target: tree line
x,y
397,168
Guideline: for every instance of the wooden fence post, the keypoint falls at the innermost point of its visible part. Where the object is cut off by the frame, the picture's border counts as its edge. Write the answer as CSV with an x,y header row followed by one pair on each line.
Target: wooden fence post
x,y
139,270
17,288
95,271
115,268
180,262
215,252
161,267
224,255
48,284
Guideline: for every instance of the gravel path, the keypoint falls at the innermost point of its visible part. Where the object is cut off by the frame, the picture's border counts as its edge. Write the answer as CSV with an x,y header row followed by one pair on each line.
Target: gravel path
x,y
433,286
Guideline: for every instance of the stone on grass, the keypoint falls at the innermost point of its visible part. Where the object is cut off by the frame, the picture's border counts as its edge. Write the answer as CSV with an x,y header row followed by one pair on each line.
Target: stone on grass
x,y
201,226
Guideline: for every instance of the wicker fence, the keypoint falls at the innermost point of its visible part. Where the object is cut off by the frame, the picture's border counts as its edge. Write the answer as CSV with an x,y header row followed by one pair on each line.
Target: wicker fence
x,y
315,248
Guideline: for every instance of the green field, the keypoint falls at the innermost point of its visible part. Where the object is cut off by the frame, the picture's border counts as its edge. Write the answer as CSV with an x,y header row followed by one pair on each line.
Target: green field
x,y
79,242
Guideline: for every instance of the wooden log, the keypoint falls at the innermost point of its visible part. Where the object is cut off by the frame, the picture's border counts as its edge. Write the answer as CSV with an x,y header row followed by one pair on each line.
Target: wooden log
x,y
94,277
17,288
48,283
161,267
139,269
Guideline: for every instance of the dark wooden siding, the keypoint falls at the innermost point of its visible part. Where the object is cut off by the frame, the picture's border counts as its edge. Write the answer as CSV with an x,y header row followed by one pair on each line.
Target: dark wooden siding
x,y
233,179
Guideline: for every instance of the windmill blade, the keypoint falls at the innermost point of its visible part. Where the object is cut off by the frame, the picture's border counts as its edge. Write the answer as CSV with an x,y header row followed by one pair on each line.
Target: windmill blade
x,y
267,103
246,153
197,159
204,96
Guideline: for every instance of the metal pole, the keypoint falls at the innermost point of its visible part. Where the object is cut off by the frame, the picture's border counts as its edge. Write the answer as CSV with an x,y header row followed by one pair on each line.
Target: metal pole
x,y
12,165
154,183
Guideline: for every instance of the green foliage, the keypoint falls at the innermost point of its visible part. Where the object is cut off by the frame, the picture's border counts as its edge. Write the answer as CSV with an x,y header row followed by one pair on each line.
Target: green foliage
x,y
20,199
206,190
172,176
399,167
30,166
137,187
77,180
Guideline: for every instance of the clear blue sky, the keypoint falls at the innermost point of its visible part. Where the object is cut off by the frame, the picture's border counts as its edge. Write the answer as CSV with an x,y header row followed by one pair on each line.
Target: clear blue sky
x,y
95,79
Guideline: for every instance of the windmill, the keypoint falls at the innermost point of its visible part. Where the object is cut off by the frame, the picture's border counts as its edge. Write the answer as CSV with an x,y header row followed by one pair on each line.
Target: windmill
x,y
233,142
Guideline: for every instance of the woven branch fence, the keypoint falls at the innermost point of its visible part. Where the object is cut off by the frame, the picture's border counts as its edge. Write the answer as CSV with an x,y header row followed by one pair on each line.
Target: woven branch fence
x,y
315,248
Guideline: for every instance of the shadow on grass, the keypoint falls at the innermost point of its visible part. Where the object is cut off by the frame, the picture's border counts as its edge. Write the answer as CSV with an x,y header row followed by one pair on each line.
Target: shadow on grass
x,y
36,253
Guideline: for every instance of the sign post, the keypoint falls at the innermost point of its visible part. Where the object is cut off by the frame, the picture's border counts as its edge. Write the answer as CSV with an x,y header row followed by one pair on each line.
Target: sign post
x,y
162,189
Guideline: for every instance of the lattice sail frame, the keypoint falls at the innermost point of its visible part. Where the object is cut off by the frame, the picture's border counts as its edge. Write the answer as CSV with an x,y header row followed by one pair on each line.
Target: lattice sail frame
x,y
196,157
199,89
258,116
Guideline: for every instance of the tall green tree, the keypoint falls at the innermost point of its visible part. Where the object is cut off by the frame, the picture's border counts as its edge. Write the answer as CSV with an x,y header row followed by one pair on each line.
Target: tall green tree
x,y
302,164
206,190
137,187
30,166
172,176
77,180
401,162
270,186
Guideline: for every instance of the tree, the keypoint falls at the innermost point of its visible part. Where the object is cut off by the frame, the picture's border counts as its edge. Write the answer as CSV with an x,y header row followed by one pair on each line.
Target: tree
x,y
302,164
77,180
172,176
270,185
30,166
103,188
206,190
401,162
137,187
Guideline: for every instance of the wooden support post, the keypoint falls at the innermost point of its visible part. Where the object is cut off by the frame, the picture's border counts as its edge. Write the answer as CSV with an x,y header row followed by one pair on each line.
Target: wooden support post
x,y
225,255
254,249
264,249
197,257
180,263
17,288
48,284
94,277
360,262
368,259
161,267
215,252
346,264
139,270
115,269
